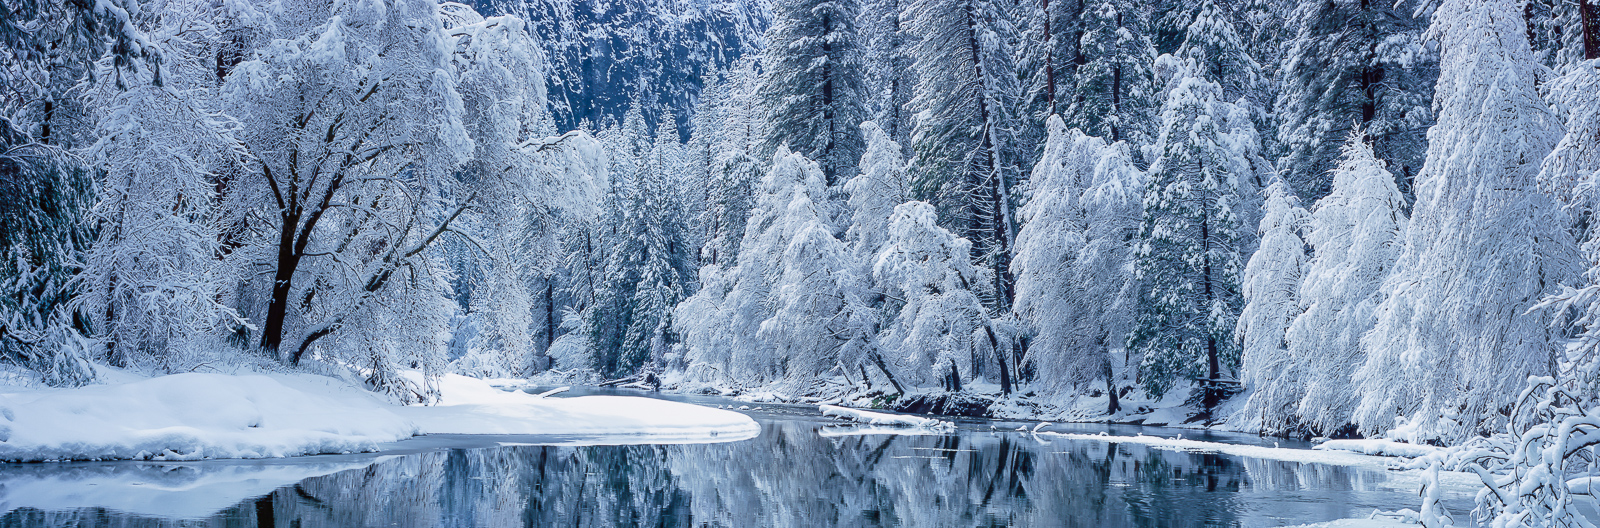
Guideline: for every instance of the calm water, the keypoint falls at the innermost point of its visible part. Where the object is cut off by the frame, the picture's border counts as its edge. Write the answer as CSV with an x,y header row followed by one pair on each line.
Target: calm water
x,y
801,471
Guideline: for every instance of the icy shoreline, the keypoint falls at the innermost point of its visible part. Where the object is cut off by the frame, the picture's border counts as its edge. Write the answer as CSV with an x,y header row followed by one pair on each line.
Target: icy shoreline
x,y
272,415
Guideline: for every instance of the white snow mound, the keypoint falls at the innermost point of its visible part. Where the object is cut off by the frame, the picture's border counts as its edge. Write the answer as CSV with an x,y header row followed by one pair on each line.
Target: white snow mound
x,y
199,416
471,406
877,418
1379,447
194,416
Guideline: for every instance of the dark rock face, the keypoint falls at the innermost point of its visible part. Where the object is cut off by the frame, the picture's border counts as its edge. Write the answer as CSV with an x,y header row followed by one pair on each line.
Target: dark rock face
x,y
948,404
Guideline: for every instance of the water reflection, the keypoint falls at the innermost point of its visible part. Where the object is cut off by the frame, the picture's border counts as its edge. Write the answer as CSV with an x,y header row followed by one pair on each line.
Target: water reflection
x,y
789,476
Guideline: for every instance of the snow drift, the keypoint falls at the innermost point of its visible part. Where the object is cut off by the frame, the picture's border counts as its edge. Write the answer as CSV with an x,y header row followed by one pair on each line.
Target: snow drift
x,y
200,416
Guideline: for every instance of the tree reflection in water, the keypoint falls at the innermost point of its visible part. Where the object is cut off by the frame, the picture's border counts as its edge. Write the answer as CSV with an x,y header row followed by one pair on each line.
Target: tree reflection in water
x,y
793,476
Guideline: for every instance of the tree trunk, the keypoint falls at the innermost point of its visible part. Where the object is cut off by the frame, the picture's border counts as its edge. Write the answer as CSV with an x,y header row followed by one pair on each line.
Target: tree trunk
x,y
829,170
282,281
1112,403
1000,357
549,314
878,360
1212,364
991,166
1589,16
1049,58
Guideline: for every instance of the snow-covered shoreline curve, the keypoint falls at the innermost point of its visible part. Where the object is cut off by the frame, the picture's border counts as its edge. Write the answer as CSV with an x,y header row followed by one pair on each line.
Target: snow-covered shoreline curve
x,y
208,416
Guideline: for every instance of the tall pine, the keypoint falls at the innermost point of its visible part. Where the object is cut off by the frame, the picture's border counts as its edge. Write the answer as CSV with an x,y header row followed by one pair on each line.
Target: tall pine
x,y
813,84
1190,256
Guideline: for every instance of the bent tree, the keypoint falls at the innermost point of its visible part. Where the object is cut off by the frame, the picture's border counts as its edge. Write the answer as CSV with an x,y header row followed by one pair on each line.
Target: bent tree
x,y
362,140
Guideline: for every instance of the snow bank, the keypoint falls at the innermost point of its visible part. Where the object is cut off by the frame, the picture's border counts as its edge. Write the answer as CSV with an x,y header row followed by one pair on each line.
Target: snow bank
x,y
471,406
1358,523
877,418
1379,447
1465,484
842,430
194,416
1338,458
200,416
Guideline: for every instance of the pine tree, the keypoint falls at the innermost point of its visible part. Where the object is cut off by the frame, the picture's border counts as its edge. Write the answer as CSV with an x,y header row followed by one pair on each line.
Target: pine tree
x,y
648,264
1190,256
1114,94
1271,285
1454,338
1212,49
889,77
813,84
1353,62
964,159
46,191
1211,39
728,136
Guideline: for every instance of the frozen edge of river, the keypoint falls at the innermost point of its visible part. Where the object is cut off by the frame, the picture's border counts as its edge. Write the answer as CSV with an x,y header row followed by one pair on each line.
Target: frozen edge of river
x,y
208,416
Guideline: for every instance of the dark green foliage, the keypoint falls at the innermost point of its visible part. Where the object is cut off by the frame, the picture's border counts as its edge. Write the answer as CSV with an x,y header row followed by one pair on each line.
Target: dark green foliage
x,y
813,85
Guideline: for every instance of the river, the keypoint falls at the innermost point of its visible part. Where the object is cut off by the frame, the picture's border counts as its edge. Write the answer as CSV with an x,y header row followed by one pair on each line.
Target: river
x,y
803,470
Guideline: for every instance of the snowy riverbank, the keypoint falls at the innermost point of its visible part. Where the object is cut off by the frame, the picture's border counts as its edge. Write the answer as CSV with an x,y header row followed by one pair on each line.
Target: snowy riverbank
x,y
199,416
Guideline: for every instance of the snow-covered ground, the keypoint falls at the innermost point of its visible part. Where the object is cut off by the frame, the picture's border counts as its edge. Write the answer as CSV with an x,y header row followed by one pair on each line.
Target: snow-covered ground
x,y
199,416
1380,447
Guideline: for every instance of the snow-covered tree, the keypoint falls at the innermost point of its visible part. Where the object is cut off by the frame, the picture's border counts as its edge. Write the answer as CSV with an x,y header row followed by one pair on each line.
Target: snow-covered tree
x,y
876,190
721,323
928,268
45,193
1105,267
355,122
1053,235
1114,96
725,140
648,262
886,61
1190,251
1211,39
815,296
1568,172
355,118
152,279
45,189
813,84
1454,338
1271,285
529,183
964,157
1214,50
1353,62
1355,234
